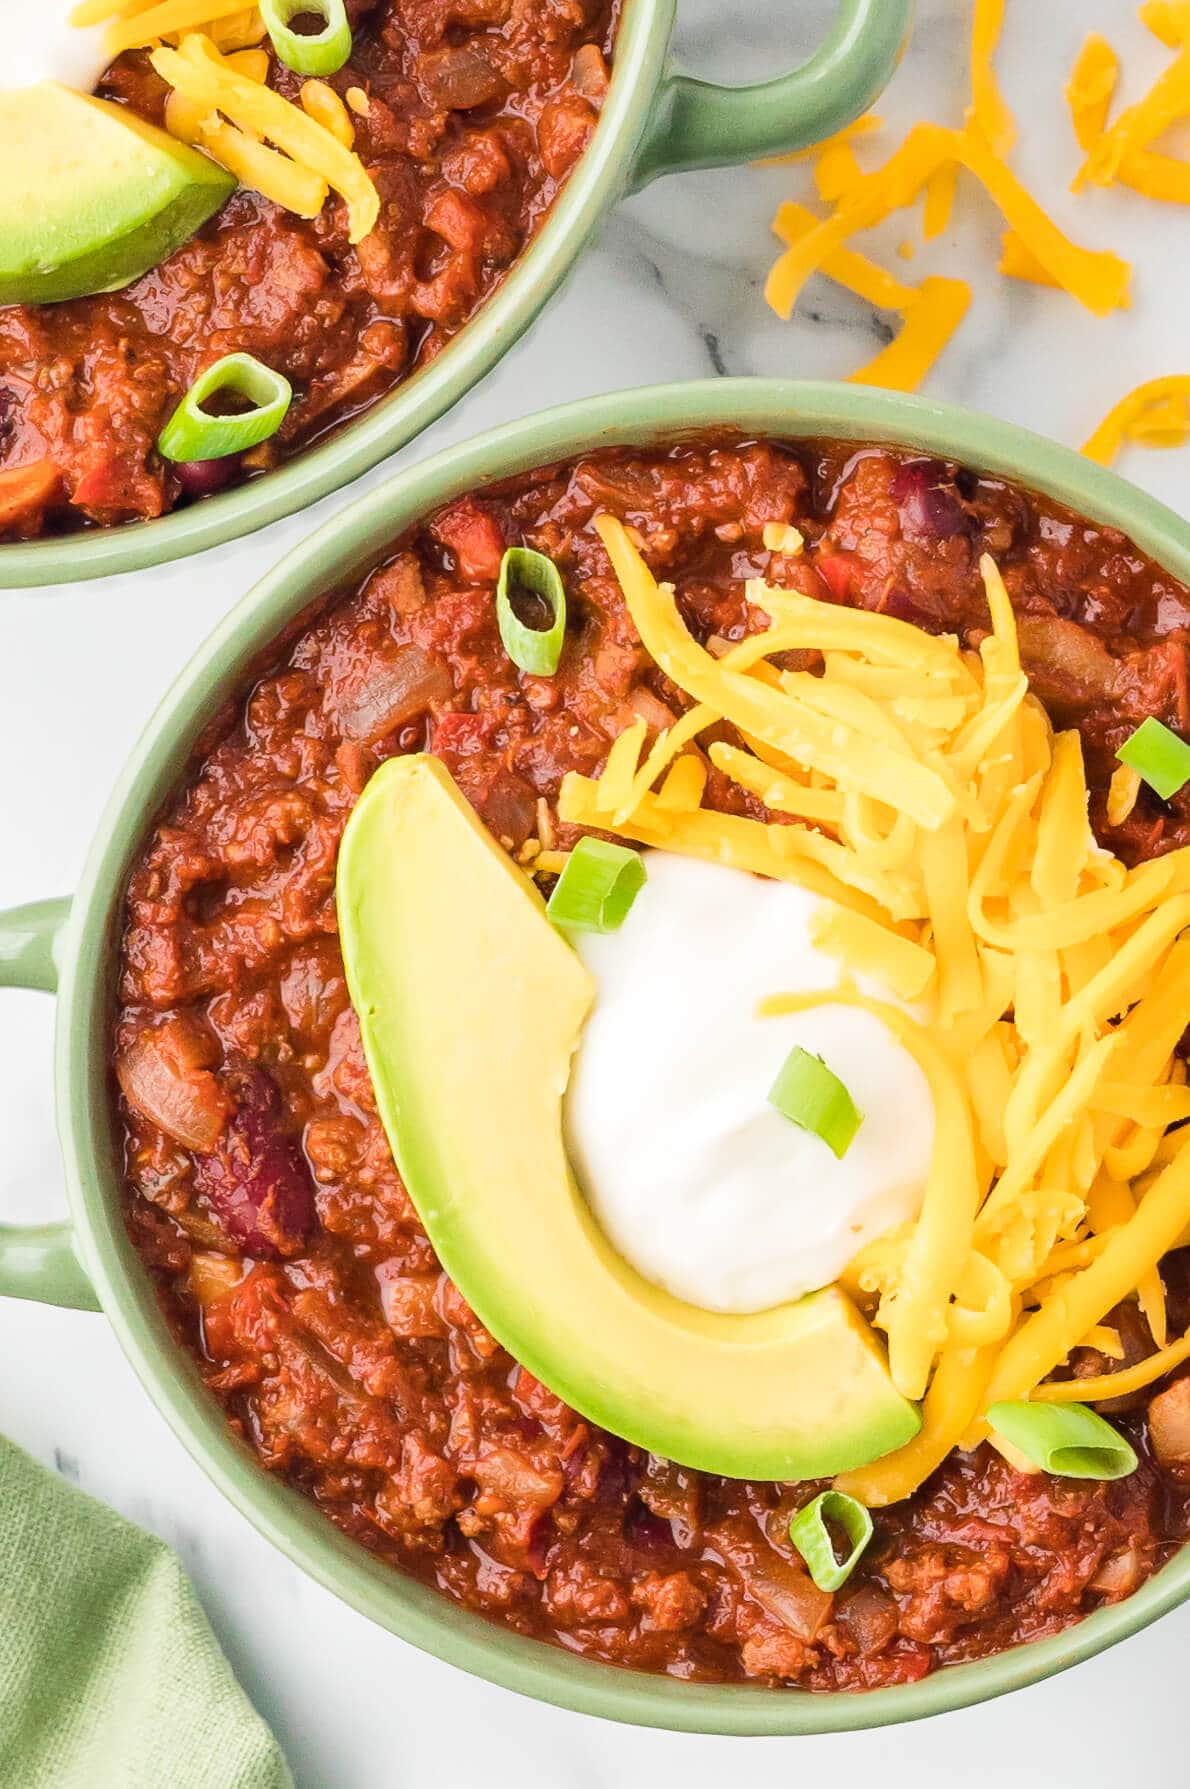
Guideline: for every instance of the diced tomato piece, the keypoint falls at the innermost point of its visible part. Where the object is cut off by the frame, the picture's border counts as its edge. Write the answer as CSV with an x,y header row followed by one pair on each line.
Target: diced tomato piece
x,y
458,220
26,490
474,537
835,569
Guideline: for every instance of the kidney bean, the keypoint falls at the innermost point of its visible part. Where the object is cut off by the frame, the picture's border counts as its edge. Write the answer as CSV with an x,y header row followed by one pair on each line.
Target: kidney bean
x,y
256,1181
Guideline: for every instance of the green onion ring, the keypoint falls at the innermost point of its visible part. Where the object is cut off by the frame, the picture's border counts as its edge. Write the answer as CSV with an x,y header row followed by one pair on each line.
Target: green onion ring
x,y
812,1096
192,433
811,1536
533,649
596,888
319,53
1159,757
1068,1440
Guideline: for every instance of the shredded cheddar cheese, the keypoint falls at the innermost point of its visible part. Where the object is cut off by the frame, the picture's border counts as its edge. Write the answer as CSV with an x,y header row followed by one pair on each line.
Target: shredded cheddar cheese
x,y
1155,414
920,789
261,137
1091,89
1119,153
929,161
322,103
989,114
169,18
930,321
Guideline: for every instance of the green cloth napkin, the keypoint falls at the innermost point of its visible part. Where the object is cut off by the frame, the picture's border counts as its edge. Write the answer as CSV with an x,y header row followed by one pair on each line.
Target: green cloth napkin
x,y
110,1677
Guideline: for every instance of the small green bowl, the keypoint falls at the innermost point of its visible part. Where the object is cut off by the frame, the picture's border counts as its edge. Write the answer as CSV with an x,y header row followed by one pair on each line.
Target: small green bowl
x,y
71,946
656,121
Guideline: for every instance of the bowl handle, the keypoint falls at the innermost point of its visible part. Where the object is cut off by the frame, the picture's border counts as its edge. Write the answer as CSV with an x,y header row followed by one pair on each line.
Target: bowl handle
x,y
698,125
38,1260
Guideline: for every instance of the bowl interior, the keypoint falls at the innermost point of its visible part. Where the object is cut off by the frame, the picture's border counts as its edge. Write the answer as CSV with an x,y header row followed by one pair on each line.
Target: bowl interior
x,y
332,559
642,46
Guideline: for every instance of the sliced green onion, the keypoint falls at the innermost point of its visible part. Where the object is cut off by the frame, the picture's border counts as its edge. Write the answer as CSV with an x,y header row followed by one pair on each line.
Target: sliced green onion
x,y
1066,1439
192,433
810,1535
1158,756
315,53
533,649
596,888
807,1092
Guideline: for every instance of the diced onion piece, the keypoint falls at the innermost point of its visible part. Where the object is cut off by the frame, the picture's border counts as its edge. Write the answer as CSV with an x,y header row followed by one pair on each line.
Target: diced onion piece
x,y
1169,1425
1067,1440
782,1587
597,888
193,433
536,650
162,1077
810,1535
213,1277
316,53
396,689
1158,756
807,1092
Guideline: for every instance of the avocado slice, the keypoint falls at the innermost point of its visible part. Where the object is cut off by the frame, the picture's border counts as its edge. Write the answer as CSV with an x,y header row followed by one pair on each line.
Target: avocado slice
x,y
92,196
471,1006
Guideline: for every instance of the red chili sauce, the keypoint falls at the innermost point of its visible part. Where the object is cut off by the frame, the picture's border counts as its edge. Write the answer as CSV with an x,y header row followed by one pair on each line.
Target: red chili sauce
x,y
265,1202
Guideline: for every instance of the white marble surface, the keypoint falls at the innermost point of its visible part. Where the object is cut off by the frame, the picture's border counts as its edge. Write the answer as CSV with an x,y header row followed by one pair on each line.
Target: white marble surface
x,y
672,290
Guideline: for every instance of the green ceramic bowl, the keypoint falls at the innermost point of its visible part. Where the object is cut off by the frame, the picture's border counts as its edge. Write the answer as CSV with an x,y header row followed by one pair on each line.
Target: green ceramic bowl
x,y
70,946
656,121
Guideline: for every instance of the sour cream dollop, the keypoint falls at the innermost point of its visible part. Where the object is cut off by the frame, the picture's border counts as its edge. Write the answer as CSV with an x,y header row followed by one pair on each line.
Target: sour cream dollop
x,y
694,1177
40,44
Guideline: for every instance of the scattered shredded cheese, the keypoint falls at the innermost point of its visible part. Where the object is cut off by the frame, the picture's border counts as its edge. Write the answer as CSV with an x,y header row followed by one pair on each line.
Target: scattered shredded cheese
x,y
1156,413
938,309
1091,89
1167,100
929,161
847,268
989,114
